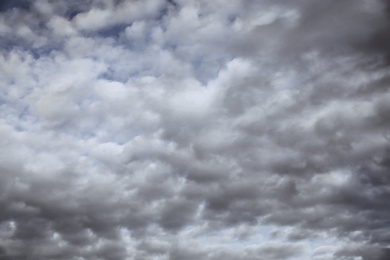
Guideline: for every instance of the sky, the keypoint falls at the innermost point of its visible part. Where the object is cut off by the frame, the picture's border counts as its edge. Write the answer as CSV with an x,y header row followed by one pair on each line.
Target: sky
x,y
195,130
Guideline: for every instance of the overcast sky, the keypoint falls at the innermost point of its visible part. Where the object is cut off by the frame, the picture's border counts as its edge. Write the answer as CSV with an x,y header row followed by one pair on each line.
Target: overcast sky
x,y
195,130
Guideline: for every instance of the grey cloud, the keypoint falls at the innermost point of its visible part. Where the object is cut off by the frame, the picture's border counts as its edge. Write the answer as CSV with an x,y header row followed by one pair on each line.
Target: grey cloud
x,y
138,130
264,251
374,253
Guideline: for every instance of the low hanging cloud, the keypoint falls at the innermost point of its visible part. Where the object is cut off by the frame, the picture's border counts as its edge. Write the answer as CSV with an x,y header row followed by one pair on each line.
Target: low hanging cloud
x,y
156,129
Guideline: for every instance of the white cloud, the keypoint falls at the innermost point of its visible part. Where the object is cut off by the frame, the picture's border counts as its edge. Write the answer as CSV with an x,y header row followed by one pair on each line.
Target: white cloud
x,y
194,130
126,12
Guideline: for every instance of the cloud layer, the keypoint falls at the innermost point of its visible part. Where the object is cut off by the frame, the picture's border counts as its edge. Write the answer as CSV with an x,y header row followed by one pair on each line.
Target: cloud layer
x,y
182,130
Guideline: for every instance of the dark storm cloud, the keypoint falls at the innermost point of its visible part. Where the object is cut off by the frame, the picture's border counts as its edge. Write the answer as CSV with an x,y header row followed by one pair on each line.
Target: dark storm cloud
x,y
194,130
365,252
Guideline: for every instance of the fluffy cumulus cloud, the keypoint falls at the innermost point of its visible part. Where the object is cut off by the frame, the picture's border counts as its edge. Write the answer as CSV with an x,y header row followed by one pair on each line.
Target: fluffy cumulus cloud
x,y
186,130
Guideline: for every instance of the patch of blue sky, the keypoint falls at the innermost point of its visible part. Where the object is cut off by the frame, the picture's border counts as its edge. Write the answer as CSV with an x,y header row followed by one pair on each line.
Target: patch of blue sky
x,y
170,46
27,49
24,113
112,31
6,5
112,75
123,75
232,18
43,51
172,5
19,119
205,70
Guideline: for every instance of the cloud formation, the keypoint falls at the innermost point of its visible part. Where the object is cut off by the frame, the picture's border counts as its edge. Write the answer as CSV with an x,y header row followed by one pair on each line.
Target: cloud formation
x,y
156,129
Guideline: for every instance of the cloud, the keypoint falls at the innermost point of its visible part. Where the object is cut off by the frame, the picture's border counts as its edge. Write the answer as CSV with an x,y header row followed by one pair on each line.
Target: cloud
x,y
204,130
107,13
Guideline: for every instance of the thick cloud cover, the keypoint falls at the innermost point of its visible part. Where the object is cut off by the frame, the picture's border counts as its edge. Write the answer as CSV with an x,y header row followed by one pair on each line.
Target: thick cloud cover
x,y
180,130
